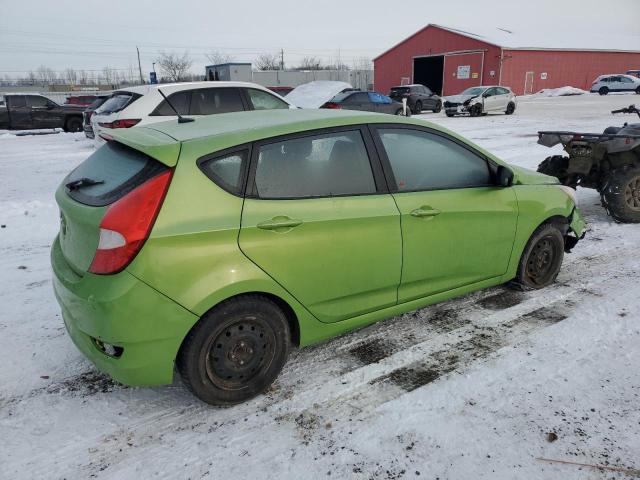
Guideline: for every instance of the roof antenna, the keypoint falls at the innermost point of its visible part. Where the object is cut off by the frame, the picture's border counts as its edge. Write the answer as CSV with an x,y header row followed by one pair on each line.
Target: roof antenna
x,y
181,119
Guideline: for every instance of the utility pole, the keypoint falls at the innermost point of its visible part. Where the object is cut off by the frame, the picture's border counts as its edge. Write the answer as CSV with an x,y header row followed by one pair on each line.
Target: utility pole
x,y
140,66
282,59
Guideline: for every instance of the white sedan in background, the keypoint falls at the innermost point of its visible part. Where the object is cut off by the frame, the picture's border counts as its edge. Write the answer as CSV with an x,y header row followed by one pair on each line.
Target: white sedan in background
x,y
477,101
139,106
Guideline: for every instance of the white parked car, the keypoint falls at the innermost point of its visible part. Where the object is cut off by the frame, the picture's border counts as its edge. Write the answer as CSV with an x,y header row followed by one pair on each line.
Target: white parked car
x,y
477,101
615,83
138,106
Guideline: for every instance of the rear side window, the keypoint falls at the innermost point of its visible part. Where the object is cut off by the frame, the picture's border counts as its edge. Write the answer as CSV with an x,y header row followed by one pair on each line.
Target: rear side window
x,y
118,168
38,101
226,170
179,100
424,161
265,101
117,102
17,102
332,164
208,101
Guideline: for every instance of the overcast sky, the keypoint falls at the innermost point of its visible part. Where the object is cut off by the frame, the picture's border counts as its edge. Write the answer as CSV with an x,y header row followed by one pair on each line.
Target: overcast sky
x,y
88,34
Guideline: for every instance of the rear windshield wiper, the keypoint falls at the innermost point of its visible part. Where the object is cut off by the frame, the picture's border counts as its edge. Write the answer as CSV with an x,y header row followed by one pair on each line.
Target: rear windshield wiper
x,y
82,182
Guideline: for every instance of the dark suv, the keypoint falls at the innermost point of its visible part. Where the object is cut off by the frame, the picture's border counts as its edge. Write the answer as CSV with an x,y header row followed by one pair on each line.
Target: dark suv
x,y
418,97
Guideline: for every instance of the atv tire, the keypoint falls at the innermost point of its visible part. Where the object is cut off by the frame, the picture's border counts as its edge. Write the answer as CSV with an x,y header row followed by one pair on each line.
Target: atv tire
x,y
556,166
621,194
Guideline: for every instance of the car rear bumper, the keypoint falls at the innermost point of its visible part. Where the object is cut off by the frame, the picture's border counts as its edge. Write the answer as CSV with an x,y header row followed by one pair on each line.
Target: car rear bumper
x,y
122,311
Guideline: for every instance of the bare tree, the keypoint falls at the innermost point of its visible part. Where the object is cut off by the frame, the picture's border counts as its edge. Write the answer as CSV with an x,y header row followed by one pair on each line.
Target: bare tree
x,y
175,66
32,77
70,76
268,61
108,76
362,63
46,75
218,58
310,63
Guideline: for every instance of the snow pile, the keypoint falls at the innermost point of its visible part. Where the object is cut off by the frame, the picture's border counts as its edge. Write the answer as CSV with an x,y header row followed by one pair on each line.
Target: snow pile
x,y
315,94
560,92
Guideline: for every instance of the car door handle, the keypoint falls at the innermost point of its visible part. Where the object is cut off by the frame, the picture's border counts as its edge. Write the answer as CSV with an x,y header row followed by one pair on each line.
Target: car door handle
x,y
279,222
425,212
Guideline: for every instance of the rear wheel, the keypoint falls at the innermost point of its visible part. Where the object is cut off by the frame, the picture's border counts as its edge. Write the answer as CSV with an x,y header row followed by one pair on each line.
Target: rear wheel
x,y
542,257
603,90
235,351
438,108
74,124
638,90
475,110
510,108
621,194
418,107
401,112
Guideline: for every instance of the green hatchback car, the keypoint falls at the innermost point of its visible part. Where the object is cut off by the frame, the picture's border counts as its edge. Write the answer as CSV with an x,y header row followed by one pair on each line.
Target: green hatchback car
x,y
217,245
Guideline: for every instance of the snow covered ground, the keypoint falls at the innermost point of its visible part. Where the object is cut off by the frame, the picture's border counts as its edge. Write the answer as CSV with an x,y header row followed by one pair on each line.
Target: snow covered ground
x,y
468,389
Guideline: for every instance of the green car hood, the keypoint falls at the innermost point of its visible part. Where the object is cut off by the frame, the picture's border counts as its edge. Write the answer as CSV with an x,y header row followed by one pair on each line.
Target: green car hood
x,y
524,176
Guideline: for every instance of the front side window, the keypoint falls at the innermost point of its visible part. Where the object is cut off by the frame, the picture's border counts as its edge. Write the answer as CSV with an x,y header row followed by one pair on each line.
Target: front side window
x,y
425,161
208,101
490,93
226,170
265,101
37,101
325,165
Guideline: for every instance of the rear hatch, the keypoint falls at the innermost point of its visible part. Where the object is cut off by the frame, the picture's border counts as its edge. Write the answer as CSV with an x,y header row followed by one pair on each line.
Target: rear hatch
x,y
111,179
110,110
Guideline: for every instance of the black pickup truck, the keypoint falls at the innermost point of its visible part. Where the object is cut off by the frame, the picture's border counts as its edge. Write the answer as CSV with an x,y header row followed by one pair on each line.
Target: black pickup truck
x,y
26,111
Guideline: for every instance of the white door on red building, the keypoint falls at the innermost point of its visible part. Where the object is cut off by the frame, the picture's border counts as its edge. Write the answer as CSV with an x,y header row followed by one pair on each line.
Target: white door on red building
x,y
528,83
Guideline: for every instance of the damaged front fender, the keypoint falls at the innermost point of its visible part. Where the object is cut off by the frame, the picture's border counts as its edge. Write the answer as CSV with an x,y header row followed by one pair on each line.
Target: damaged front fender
x,y
577,230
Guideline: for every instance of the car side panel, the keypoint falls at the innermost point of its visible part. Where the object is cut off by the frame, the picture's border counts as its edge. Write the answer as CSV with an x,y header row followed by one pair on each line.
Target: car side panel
x,y
536,203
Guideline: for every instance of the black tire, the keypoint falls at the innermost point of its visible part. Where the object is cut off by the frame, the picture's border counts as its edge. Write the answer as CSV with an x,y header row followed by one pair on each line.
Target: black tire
x,y
73,124
438,108
418,107
235,351
401,112
449,114
621,194
638,90
511,107
556,166
603,90
542,257
475,110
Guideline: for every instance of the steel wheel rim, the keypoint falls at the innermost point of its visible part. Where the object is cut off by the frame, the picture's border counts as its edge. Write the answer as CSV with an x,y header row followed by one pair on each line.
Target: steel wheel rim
x,y
632,194
241,352
541,264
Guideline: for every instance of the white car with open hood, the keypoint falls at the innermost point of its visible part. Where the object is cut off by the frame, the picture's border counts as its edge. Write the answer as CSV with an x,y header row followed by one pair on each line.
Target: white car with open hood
x,y
477,101
137,106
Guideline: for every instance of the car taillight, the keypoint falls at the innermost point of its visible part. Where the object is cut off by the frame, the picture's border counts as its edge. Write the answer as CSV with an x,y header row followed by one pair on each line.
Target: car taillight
x,y
127,223
127,123
332,105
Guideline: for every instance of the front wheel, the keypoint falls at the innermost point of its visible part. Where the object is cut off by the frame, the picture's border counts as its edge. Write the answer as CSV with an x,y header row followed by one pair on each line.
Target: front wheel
x,y
438,108
621,195
542,257
235,351
475,110
418,107
603,90
638,90
401,112
510,108
449,114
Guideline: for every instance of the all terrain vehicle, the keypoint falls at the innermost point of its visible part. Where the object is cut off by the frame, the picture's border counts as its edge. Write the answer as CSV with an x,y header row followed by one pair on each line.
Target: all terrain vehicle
x,y
608,162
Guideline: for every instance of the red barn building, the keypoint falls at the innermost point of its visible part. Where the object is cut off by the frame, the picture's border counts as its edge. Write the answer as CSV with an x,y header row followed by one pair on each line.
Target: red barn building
x,y
448,60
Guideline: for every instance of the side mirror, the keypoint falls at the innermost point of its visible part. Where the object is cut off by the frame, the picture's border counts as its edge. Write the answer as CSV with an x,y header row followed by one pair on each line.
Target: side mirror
x,y
504,177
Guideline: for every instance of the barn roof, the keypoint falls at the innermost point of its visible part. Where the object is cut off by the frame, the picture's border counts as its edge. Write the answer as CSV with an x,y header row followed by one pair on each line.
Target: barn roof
x,y
538,40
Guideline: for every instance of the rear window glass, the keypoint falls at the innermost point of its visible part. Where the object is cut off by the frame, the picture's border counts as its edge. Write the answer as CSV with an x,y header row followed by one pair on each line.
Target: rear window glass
x,y
117,102
209,101
118,169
